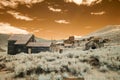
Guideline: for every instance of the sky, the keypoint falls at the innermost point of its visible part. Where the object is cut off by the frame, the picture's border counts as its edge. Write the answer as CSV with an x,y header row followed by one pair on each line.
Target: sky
x,y
58,19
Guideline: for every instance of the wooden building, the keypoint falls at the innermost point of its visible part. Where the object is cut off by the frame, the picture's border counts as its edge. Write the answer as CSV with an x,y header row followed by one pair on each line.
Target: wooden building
x,y
18,43
71,42
36,47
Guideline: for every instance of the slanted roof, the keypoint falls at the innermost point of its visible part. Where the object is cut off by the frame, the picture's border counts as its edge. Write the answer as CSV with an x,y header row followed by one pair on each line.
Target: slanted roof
x,y
38,44
20,38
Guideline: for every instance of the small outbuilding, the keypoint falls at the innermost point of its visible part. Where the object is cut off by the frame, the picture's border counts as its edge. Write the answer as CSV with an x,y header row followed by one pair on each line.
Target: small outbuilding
x,y
36,47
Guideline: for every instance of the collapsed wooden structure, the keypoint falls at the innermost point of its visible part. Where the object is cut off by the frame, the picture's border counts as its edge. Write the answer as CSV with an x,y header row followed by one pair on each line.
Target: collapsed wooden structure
x,y
95,42
26,43
71,42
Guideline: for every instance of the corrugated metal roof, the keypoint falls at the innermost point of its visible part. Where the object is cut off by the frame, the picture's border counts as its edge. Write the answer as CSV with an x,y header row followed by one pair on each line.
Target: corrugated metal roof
x,y
20,38
38,44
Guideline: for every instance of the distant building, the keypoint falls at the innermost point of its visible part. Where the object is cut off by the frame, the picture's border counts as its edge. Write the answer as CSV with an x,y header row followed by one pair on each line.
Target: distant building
x,y
71,42
25,43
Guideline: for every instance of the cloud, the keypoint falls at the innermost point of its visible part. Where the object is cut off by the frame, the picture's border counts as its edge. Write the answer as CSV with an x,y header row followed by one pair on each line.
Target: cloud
x,y
53,9
97,1
77,37
6,28
15,3
98,13
20,16
37,30
78,2
29,3
62,21
6,3
84,2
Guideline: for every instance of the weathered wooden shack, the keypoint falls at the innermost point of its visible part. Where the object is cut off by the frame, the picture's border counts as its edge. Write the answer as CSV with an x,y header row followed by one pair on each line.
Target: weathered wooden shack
x,y
18,43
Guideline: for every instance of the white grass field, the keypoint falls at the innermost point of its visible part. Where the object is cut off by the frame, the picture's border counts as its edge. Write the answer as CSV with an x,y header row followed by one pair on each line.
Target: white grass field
x,y
73,62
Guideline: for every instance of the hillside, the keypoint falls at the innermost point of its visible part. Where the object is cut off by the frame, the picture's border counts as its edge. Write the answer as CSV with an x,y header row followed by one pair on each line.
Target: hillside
x,y
41,40
3,39
111,32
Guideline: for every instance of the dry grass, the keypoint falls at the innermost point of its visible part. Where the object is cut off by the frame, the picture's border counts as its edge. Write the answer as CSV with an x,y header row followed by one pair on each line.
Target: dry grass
x,y
73,62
